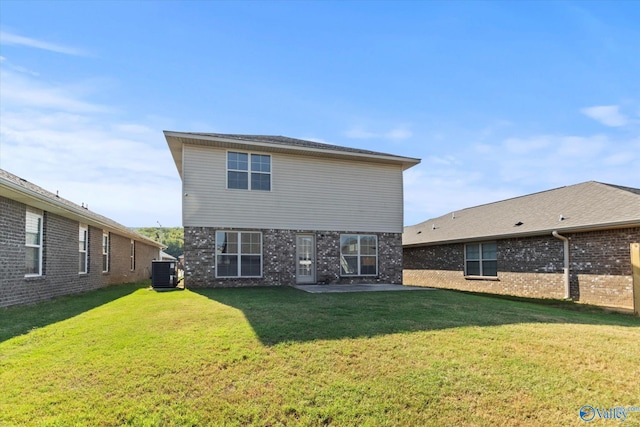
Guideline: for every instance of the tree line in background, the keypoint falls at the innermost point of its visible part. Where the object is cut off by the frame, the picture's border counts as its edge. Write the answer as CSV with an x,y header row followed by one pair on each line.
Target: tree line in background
x,y
173,237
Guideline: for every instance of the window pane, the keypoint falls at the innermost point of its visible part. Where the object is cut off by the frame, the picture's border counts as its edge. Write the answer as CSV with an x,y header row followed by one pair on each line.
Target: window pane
x,y
473,251
105,266
473,268
261,181
238,180
82,267
348,245
238,161
368,245
227,265
260,163
251,243
250,265
349,265
226,243
368,265
32,227
32,264
489,268
489,251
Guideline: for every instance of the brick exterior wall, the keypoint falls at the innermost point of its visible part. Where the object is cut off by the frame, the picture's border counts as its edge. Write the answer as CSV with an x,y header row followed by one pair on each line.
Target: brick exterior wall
x,y
279,259
600,267
60,258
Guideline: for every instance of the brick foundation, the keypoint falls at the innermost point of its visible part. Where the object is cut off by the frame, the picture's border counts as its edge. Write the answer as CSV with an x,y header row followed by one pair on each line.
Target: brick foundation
x,y
278,259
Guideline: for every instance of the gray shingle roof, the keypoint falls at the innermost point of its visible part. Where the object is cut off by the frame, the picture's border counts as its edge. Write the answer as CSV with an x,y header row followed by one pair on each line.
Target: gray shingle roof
x,y
589,205
16,188
281,144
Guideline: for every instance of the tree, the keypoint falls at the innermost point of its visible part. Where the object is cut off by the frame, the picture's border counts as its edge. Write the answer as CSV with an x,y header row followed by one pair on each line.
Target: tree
x,y
173,237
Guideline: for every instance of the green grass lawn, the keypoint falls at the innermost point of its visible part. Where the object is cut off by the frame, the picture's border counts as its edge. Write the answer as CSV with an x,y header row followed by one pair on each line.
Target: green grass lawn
x,y
127,355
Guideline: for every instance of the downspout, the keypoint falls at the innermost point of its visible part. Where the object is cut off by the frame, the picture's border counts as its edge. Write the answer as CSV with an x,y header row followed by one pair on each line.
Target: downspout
x,y
566,262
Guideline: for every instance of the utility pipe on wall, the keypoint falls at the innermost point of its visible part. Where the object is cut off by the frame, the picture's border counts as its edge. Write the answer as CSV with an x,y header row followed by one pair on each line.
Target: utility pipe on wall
x,y
566,262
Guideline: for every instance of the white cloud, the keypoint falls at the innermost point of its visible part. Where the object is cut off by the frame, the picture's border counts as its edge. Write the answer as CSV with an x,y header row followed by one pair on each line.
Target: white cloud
x,y
395,134
57,138
25,91
14,39
608,115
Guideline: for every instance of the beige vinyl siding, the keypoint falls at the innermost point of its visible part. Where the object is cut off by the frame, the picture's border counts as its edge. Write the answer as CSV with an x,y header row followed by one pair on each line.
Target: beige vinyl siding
x,y
307,193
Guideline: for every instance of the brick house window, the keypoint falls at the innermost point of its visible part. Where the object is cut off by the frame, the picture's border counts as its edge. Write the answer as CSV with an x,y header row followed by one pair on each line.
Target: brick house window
x,y
83,248
238,254
481,259
133,255
248,171
105,252
358,255
33,242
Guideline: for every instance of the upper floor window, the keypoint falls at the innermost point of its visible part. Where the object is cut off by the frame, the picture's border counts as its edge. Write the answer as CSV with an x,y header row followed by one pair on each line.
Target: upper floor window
x,y
481,259
83,252
33,242
358,255
105,252
248,171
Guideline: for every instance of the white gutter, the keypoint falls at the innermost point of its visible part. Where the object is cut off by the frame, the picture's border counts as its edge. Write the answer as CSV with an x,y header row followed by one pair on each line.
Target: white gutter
x,y
566,262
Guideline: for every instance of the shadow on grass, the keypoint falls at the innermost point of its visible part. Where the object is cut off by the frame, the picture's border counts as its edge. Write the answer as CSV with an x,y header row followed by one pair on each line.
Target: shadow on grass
x,y
15,321
289,315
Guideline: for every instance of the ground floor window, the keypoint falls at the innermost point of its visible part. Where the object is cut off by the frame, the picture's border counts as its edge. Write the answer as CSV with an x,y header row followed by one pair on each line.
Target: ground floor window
x,y
481,259
238,254
105,252
358,255
83,252
33,242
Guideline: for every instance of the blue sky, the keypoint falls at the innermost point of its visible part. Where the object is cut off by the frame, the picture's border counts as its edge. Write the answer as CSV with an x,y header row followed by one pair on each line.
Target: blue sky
x,y
498,99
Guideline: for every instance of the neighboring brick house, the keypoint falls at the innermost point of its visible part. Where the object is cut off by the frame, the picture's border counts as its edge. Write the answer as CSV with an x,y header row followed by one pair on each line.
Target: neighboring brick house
x,y
50,246
270,211
518,247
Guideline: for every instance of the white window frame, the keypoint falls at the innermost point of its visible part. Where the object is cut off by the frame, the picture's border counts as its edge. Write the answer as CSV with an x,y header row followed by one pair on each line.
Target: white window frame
x,y
83,247
359,255
238,254
133,255
106,241
38,216
249,171
480,260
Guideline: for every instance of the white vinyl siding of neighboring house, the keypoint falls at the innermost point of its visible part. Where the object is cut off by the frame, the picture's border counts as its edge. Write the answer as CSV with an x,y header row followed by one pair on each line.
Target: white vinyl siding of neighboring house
x,y
307,193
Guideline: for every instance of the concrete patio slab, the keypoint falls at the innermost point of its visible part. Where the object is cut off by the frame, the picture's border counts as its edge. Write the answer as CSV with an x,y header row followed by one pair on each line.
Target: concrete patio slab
x,y
322,289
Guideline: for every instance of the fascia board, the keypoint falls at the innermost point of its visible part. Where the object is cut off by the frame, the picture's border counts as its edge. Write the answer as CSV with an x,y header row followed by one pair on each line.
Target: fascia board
x,y
406,162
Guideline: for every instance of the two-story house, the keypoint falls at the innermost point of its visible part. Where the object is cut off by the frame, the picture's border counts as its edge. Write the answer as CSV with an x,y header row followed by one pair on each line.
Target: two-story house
x,y
270,210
